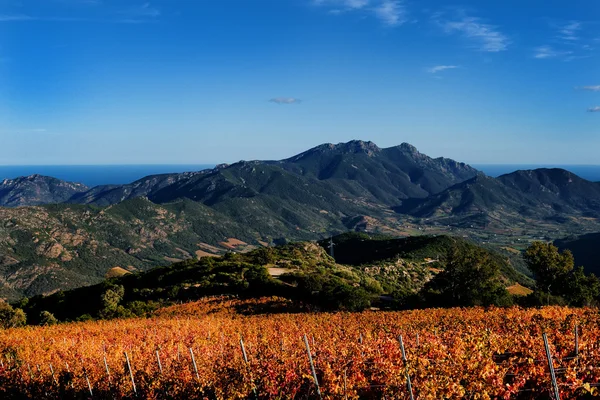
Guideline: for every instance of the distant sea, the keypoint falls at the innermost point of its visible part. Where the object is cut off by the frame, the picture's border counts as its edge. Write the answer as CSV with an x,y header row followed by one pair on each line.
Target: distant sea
x,y
589,172
94,175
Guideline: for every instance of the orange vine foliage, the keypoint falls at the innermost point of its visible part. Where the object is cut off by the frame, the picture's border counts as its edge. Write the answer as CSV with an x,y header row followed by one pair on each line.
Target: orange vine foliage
x,y
452,353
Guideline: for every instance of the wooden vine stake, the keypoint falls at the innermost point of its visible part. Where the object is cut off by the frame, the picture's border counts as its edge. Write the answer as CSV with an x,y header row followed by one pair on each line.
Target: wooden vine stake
x,y
576,341
312,366
158,361
52,372
405,361
247,363
70,376
194,364
130,373
106,367
551,367
345,386
87,379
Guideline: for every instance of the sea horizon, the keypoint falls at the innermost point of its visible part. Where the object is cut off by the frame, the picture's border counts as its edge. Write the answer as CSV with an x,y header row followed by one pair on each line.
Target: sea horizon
x,y
118,174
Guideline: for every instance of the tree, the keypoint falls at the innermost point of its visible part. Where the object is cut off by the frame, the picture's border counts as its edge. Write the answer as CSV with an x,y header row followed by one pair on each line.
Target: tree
x,y
581,289
11,317
110,300
548,265
470,278
47,318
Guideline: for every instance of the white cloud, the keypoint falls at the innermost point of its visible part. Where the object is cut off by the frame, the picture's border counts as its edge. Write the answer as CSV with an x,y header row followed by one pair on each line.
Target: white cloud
x,y
285,100
391,12
594,88
342,5
487,37
17,17
594,109
145,10
440,68
544,52
569,31
24,131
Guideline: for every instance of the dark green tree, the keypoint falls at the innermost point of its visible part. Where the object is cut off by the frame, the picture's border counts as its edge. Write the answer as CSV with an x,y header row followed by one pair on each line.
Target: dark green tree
x,y
549,266
47,318
11,317
581,289
470,278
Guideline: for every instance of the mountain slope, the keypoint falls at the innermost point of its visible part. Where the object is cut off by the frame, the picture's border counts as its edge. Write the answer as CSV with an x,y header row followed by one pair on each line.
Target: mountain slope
x,y
536,194
481,194
585,249
556,189
36,189
355,170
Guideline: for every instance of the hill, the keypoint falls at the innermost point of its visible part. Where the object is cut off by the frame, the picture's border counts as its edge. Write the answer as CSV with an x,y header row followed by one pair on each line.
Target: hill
x,y
309,276
533,197
425,253
35,190
330,189
557,190
302,272
584,249
358,171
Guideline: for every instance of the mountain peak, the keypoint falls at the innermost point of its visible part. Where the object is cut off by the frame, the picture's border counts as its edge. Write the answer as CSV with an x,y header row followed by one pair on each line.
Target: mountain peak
x,y
36,189
353,146
409,148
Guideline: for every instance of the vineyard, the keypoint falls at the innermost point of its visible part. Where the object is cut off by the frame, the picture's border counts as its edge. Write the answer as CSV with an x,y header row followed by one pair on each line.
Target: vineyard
x,y
206,350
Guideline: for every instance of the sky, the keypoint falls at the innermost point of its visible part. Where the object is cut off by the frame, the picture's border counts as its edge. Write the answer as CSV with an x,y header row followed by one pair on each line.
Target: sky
x,y
211,81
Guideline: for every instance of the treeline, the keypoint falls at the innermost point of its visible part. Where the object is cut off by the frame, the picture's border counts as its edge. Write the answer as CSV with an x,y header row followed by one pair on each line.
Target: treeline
x,y
471,276
313,281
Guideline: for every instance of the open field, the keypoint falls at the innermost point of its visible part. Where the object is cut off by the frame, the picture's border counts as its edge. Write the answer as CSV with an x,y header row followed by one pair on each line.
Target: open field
x,y
453,353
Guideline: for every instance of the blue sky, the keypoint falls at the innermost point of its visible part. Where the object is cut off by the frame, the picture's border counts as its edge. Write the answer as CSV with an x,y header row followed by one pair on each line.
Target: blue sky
x,y
209,81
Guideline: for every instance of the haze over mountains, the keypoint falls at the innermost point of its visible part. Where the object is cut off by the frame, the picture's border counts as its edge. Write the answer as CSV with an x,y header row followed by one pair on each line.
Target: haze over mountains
x,y
83,232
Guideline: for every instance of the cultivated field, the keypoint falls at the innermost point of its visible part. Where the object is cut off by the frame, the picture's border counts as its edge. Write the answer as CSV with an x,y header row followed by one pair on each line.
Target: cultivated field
x,y
194,351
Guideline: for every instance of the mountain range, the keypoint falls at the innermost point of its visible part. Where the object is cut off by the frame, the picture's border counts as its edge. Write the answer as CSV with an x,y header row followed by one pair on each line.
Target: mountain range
x,y
56,234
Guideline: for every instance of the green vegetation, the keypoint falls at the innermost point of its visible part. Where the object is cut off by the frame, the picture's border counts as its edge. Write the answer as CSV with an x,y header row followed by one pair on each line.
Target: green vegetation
x,y
471,278
11,317
329,189
312,278
557,281
400,273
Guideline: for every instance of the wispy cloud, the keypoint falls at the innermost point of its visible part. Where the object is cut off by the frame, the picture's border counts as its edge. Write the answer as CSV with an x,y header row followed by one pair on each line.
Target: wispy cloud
x,y
440,68
285,100
486,37
389,12
544,52
594,109
16,17
593,88
24,131
343,4
145,10
570,30
138,14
